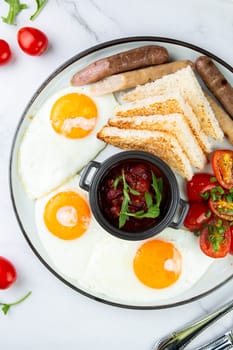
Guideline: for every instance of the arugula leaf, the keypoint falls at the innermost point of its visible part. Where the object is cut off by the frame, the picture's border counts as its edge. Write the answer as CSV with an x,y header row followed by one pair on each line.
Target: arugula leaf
x,y
40,6
6,307
149,200
124,208
14,8
116,182
133,191
158,188
153,209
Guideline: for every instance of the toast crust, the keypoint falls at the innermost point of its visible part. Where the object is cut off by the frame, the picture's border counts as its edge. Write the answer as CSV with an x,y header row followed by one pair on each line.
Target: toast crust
x,y
173,124
165,106
160,144
184,81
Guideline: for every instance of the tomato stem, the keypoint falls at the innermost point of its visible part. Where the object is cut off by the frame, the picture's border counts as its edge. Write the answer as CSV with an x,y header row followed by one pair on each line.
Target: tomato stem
x,y
6,307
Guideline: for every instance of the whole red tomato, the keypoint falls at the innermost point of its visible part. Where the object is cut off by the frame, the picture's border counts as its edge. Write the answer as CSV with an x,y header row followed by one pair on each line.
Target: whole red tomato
x,y
200,183
197,215
32,41
8,273
5,52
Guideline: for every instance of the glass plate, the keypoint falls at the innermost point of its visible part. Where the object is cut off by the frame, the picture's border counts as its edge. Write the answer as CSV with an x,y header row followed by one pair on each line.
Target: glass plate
x,y
219,273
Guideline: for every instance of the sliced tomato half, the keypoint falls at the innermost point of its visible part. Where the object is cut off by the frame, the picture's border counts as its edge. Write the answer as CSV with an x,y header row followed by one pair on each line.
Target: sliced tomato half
x,y
222,163
222,209
215,238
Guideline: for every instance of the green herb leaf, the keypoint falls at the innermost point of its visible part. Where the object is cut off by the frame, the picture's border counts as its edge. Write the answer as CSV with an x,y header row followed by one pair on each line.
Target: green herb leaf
x,y
216,234
204,195
208,214
228,198
158,187
153,209
148,199
40,6
197,233
116,182
217,189
213,179
125,203
122,219
14,8
6,307
131,190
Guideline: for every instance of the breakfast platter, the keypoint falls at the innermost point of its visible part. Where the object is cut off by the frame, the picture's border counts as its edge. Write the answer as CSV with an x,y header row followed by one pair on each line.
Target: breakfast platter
x,y
122,109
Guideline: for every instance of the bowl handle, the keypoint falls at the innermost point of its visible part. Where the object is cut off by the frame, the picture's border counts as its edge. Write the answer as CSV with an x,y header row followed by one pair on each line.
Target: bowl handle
x,y
83,180
184,207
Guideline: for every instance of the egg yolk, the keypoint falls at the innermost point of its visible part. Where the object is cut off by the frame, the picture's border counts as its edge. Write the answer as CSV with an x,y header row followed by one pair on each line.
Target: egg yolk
x,y
74,115
67,215
157,264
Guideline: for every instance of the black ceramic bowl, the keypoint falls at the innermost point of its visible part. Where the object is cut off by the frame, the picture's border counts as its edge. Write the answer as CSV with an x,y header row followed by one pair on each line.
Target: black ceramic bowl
x,y
173,208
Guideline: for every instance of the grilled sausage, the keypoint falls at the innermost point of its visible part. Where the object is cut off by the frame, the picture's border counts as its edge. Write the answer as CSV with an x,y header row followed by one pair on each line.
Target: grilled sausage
x,y
128,60
216,82
136,77
225,121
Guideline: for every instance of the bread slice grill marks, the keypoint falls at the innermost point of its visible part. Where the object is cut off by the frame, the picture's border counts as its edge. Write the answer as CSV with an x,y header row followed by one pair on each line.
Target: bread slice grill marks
x,y
161,144
174,124
164,105
184,81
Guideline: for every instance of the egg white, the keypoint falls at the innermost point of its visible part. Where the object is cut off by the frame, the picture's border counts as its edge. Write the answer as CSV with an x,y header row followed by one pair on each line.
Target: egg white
x,y
46,158
102,264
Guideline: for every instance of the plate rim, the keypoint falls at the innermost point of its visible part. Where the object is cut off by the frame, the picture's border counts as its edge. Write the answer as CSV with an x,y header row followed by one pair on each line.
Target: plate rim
x,y
81,54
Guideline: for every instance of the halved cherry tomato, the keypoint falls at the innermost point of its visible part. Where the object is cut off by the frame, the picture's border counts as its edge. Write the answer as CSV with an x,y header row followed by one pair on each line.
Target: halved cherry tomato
x,y
200,183
32,41
222,163
231,246
222,209
8,273
5,52
215,238
198,214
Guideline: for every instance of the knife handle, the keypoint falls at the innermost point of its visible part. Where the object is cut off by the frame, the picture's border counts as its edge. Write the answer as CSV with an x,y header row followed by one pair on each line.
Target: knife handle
x,y
223,342
181,338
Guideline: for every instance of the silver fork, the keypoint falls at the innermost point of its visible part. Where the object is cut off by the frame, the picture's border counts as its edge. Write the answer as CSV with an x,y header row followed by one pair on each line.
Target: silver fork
x,y
224,342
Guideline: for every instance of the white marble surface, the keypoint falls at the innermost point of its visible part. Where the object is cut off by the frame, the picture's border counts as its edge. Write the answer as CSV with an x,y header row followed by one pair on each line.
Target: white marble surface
x,y
55,316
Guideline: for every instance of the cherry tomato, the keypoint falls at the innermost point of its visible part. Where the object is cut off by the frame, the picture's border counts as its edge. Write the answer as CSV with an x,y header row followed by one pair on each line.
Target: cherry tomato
x,y
231,246
222,163
222,209
32,41
215,238
8,273
198,214
200,183
5,52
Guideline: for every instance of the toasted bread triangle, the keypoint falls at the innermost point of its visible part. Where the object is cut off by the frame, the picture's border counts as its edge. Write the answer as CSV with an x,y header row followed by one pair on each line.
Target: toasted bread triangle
x,y
158,143
174,124
184,81
164,105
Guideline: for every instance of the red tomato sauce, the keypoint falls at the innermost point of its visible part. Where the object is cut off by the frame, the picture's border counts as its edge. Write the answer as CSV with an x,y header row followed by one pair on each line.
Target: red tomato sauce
x,y
138,176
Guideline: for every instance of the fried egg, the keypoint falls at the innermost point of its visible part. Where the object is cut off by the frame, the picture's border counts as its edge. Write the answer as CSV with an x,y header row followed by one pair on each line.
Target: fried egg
x,y
108,267
61,138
